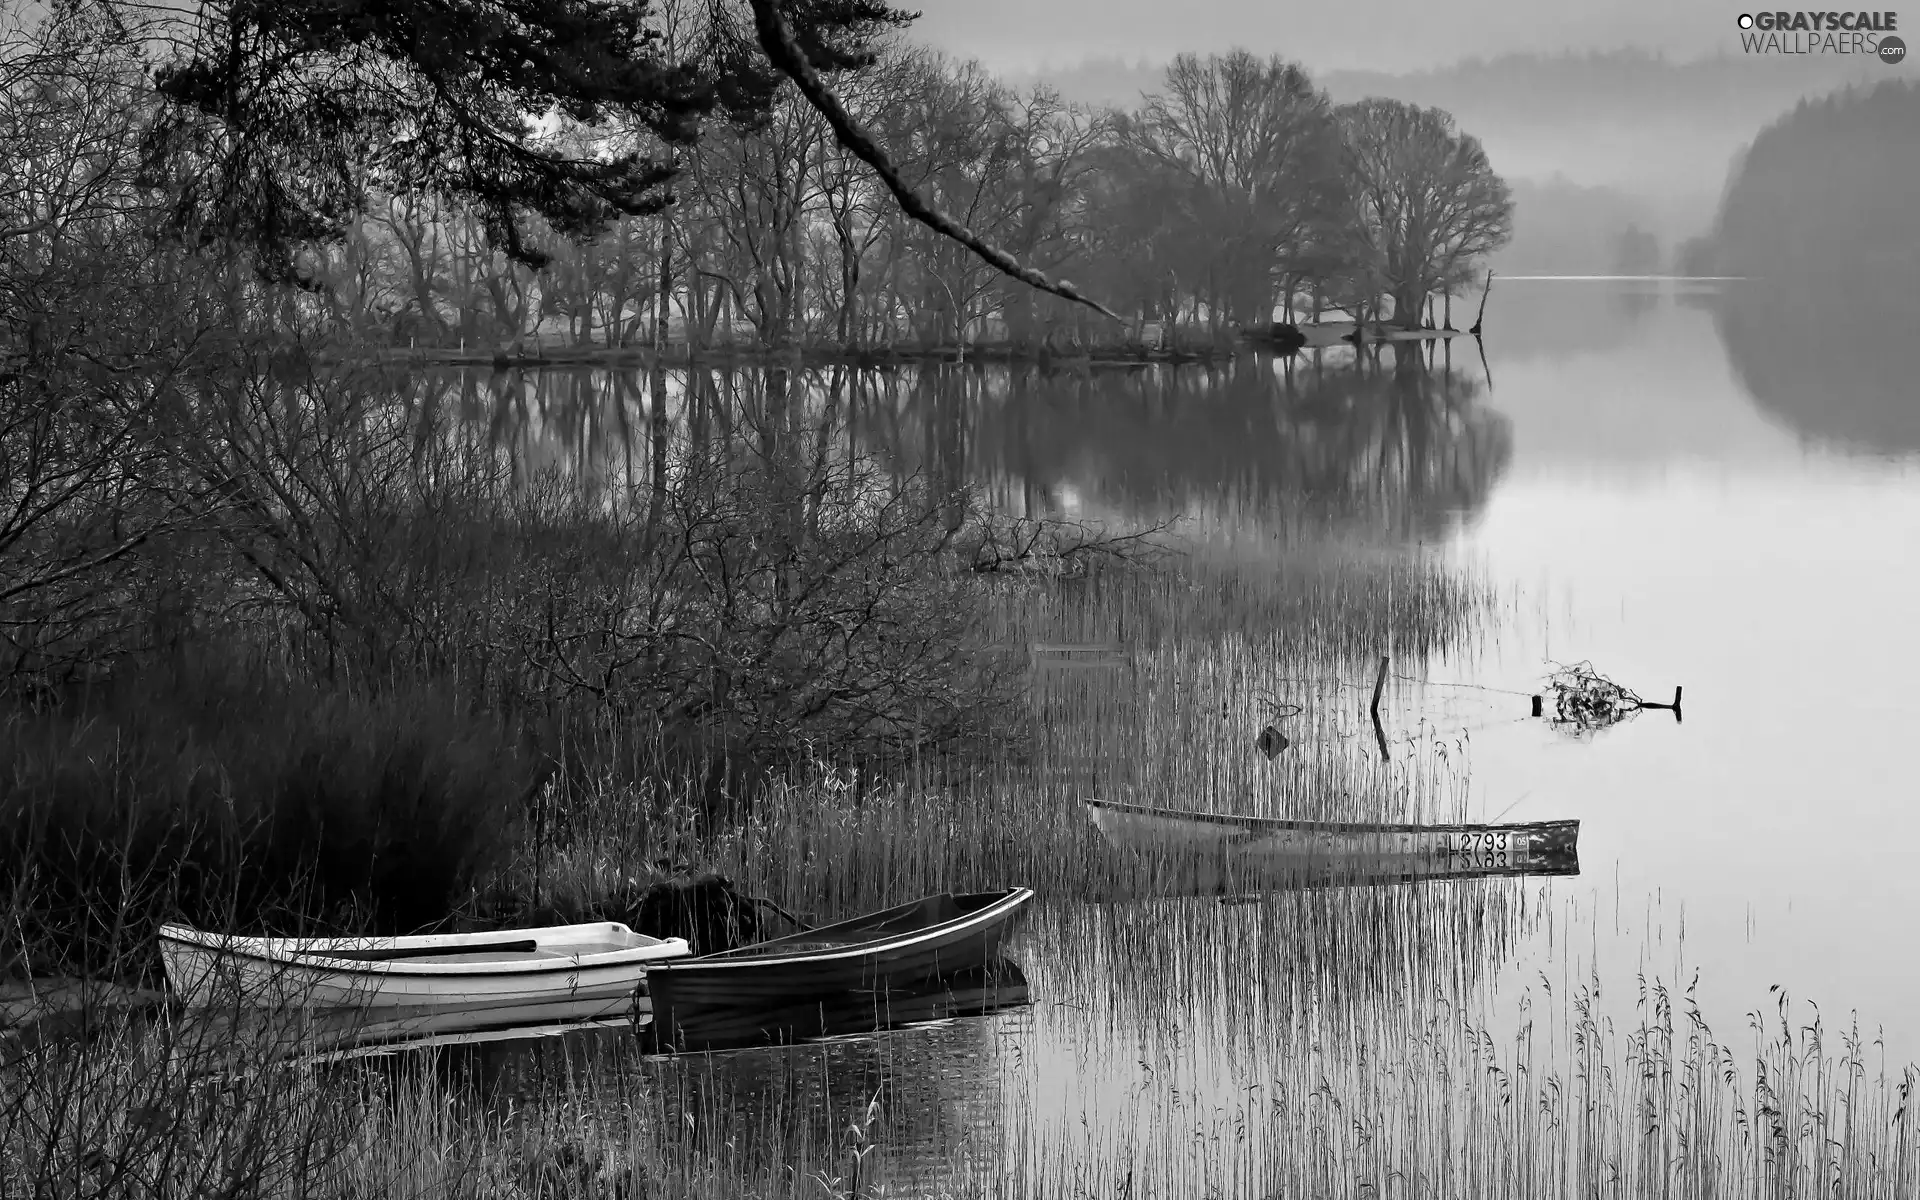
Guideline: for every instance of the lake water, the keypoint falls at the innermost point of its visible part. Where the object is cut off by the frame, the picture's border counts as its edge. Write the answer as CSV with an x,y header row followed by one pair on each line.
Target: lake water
x,y
1656,505
1674,530
1681,489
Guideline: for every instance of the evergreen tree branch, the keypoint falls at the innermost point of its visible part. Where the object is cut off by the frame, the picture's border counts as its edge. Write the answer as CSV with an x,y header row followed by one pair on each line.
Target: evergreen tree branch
x,y
783,50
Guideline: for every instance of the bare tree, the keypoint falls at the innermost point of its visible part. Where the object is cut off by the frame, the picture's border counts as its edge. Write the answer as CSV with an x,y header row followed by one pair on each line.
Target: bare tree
x,y
97,329
950,140
759,185
1426,196
1255,151
1054,147
858,210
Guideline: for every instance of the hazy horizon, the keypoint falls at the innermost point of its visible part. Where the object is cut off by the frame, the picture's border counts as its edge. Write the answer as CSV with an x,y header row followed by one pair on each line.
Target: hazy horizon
x,y
1587,126
1011,36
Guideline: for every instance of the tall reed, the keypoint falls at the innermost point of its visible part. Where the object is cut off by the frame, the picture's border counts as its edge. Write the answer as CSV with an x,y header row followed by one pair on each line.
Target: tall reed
x,y
1185,1049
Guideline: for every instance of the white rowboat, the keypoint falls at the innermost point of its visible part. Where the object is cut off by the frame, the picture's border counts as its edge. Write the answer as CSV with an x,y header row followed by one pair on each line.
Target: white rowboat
x,y
564,972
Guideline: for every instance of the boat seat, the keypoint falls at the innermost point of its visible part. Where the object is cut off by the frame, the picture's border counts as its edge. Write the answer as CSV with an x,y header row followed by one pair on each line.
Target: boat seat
x,y
483,956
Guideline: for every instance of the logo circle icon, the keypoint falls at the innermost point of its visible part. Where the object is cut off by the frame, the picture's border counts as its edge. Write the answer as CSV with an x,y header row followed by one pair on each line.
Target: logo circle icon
x,y
1892,50
1746,21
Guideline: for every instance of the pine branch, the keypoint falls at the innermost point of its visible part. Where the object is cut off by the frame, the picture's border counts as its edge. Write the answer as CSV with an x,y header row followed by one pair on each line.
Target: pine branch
x,y
780,46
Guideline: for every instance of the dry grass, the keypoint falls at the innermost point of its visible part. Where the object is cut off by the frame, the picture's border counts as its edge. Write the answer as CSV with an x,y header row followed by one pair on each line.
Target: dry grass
x,y
1318,1044
1177,725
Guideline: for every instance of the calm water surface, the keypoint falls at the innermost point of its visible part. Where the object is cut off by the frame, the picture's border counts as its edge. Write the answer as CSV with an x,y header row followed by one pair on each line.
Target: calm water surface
x,y
1680,515
1678,489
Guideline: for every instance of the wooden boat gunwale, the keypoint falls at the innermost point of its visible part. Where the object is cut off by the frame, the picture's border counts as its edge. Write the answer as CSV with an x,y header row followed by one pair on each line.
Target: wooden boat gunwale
x,y
765,955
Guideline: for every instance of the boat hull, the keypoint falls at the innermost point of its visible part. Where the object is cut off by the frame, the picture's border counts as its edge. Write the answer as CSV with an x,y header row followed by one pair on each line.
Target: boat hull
x,y
1232,849
898,951
574,972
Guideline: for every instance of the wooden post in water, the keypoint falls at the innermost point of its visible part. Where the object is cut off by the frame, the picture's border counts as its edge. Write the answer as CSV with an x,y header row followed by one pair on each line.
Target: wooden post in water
x,y
1481,315
1379,685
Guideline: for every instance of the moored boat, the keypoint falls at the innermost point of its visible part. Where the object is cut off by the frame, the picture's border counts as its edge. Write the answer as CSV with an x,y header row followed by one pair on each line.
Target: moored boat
x,y
895,950
563,972
1336,849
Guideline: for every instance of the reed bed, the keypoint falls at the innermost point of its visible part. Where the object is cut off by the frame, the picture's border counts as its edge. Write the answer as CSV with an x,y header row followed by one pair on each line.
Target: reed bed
x,y
1296,1086
826,844
200,1108
1329,602
1333,1043
1174,722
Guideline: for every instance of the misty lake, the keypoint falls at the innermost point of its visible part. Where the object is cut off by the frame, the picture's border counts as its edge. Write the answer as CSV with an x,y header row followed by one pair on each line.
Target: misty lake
x,y
1646,474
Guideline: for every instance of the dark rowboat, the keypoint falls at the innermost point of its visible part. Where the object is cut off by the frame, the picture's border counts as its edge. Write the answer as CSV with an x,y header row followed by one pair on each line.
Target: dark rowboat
x,y
897,950
1333,852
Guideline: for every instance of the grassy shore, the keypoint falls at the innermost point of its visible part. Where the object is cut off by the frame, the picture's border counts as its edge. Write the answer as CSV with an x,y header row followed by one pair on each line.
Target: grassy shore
x,y
1180,1050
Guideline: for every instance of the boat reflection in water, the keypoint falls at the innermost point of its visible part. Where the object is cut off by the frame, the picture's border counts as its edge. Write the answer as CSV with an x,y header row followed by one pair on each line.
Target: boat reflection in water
x,y
994,986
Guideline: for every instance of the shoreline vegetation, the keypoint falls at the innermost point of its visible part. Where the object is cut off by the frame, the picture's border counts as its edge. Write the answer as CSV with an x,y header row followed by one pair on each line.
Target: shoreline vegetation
x,y
1400,1089
293,650
1284,339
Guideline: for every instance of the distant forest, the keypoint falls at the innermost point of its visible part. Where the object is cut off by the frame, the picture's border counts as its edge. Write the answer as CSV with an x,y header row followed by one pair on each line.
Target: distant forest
x,y
1830,190
1593,192
1564,228
1819,215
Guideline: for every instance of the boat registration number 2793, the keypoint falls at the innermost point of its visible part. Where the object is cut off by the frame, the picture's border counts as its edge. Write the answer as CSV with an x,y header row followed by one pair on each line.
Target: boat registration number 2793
x,y
1489,848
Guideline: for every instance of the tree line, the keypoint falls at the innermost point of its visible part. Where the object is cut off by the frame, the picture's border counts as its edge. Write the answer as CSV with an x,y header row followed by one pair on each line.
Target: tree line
x,y
1236,194
621,176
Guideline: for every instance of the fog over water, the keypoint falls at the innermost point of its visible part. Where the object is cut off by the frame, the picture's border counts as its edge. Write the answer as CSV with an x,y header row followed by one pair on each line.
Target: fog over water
x,y
1388,35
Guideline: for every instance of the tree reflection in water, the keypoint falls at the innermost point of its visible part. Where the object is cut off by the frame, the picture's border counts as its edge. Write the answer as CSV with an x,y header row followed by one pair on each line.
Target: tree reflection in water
x,y
1831,359
1393,441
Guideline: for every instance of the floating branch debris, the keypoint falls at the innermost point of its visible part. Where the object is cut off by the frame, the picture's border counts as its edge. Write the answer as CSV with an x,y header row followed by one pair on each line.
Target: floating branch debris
x,y
1585,700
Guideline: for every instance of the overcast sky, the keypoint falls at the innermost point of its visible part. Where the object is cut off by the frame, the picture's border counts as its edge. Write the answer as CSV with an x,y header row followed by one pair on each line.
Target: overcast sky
x,y
1392,35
